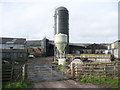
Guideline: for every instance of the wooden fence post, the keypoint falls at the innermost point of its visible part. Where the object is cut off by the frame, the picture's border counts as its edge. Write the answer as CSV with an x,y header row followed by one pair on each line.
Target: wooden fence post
x,y
72,70
104,70
23,72
114,70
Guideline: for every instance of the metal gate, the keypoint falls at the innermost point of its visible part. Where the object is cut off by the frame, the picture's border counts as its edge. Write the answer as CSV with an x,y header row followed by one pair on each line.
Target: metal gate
x,y
45,73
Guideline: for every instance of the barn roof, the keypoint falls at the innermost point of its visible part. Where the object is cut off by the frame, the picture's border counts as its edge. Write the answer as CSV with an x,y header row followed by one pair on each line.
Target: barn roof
x,y
12,40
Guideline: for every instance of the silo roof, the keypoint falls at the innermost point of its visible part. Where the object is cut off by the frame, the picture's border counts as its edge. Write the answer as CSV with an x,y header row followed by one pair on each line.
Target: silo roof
x,y
61,8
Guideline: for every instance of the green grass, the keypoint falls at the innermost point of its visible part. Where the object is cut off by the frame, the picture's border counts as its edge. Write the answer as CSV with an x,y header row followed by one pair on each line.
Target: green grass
x,y
116,88
20,84
98,80
35,47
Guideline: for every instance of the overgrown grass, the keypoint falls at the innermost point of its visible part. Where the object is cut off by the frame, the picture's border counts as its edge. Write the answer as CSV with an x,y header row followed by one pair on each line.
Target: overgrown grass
x,y
99,80
18,84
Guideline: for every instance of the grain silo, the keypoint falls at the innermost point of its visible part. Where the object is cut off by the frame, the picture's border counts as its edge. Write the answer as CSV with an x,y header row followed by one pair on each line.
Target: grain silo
x,y
61,18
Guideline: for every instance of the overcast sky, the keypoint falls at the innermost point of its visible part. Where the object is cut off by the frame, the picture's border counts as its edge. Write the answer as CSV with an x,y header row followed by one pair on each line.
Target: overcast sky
x,y
90,21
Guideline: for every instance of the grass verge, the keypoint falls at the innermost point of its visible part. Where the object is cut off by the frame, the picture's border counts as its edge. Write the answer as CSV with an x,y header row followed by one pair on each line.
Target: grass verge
x,y
18,84
98,80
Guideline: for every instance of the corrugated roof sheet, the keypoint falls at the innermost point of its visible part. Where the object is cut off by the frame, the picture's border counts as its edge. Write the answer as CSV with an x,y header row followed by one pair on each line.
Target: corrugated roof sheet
x,y
13,40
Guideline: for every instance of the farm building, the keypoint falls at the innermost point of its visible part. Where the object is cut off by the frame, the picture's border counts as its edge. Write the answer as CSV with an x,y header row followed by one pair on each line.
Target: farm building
x,y
114,49
13,48
42,47
33,43
47,47
87,49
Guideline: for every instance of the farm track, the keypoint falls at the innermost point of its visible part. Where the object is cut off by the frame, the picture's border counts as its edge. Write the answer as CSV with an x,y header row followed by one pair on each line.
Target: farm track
x,y
41,80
